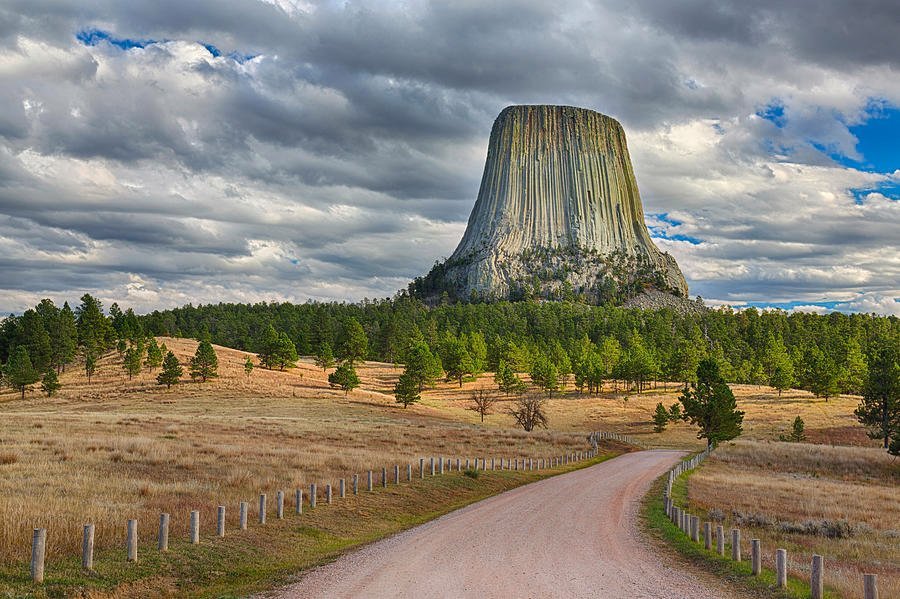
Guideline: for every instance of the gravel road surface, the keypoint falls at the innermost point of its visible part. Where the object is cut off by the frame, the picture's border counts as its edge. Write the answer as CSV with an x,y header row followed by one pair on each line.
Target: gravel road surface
x,y
568,536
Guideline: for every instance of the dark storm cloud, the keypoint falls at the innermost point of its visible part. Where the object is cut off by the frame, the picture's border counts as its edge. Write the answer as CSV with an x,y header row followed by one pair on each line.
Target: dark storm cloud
x,y
335,151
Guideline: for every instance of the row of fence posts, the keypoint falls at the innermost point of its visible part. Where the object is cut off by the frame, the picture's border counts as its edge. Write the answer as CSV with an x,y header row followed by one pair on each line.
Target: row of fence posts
x,y
435,466
690,525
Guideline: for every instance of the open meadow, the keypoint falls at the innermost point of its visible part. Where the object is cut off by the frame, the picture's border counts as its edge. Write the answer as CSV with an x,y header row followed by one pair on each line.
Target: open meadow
x,y
114,449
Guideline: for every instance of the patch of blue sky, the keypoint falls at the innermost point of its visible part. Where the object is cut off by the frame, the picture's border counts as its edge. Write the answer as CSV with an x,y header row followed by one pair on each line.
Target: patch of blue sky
x,y
664,232
879,140
773,112
787,306
92,37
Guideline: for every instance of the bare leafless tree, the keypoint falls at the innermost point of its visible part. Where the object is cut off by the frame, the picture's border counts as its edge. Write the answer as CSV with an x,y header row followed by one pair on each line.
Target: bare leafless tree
x,y
528,411
482,402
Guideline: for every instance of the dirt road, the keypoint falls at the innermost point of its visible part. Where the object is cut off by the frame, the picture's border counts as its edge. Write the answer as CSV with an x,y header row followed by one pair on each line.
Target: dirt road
x,y
568,536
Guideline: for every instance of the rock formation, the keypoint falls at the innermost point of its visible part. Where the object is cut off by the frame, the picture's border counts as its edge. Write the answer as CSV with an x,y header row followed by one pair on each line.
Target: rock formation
x,y
558,215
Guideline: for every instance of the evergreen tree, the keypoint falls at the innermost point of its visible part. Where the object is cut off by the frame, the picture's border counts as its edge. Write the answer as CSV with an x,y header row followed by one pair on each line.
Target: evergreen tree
x,y
34,338
19,372
171,371
63,338
456,359
710,405
205,363
675,412
90,365
854,373
154,354
478,352
50,383
356,344
95,332
132,360
325,357
248,366
820,373
610,355
344,377
423,365
660,418
545,375
797,433
560,359
268,347
286,352
406,391
879,409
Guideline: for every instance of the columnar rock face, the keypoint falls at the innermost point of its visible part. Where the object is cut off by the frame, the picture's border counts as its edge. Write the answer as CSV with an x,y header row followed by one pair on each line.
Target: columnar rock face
x,y
558,214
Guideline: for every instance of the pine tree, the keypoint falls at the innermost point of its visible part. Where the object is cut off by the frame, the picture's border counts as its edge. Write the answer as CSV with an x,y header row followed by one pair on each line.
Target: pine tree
x,y
356,344
131,362
660,418
423,365
797,434
248,366
545,375
325,357
20,374
64,338
205,363
879,409
710,405
50,383
267,348
854,371
286,352
456,359
32,335
171,371
406,391
344,377
90,364
154,354
478,352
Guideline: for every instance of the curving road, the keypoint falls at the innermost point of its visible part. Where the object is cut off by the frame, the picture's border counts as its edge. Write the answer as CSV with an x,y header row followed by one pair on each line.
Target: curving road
x,y
572,535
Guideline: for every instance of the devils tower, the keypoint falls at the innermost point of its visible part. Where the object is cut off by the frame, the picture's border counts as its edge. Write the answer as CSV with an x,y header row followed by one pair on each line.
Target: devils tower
x,y
558,215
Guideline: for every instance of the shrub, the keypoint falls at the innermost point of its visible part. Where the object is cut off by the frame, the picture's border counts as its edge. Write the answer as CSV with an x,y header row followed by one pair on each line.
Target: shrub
x,y
471,473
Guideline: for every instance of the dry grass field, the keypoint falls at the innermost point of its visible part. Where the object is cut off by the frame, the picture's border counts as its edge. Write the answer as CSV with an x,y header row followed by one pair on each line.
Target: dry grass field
x,y
116,449
840,502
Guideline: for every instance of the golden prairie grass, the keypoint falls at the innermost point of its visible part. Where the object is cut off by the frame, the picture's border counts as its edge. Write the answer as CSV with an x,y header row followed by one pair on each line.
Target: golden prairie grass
x,y
839,502
113,449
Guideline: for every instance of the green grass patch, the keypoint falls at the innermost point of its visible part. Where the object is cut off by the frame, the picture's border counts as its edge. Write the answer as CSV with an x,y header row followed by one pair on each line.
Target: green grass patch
x,y
268,556
658,525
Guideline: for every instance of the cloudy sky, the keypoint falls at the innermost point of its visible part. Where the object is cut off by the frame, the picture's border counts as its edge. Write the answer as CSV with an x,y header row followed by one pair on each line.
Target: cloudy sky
x,y
174,151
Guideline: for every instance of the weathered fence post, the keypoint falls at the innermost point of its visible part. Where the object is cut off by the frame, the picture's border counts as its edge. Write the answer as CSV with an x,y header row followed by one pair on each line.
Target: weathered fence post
x,y
695,529
396,474
195,527
262,508
163,538
736,544
441,470
720,540
781,568
816,577
421,467
369,486
409,473
755,557
298,501
131,541
432,467
242,515
483,464
467,463
707,536
312,496
328,494
458,465
87,547
356,484
870,586
38,549
279,505
492,464
384,477
342,491
220,521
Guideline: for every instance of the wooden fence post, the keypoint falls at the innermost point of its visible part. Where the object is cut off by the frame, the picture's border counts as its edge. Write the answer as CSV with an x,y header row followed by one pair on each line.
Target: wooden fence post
x,y
396,474
342,491
442,464
298,501
87,547
695,529
195,527
220,521
707,535
458,465
755,557
312,496
384,477
421,467
328,494
816,577
409,473
720,540
262,508
243,515
38,549
492,464
369,485
131,540
736,544
356,484
781,568
870,586
163,539
432,467
279,505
